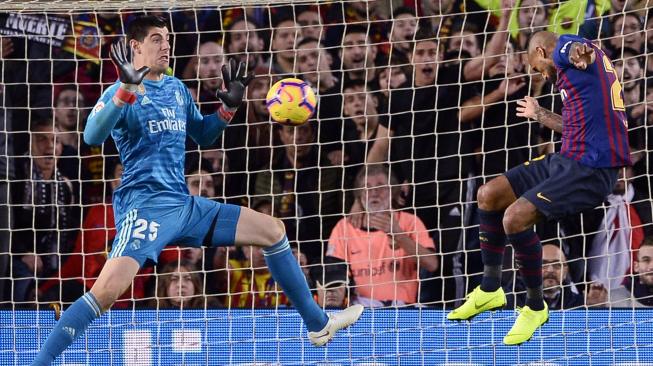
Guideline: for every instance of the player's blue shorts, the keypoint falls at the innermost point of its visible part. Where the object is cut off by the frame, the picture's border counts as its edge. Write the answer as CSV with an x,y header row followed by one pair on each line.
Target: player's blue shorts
x,y
559,186
143,233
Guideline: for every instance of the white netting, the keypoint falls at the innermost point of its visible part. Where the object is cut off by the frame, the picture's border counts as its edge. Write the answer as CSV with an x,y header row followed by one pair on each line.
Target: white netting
x,y
429,87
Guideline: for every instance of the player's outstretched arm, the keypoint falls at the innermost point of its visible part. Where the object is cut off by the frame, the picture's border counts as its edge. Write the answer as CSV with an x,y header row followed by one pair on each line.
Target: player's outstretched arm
x,y
205,129
108,110
530,108
581,55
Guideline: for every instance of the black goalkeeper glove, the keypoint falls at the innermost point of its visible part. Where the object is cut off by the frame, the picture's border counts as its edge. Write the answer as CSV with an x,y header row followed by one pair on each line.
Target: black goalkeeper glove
x,y
129,76
235,80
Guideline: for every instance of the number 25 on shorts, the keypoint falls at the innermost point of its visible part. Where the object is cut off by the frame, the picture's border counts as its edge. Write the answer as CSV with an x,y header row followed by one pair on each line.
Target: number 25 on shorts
x,y
141,226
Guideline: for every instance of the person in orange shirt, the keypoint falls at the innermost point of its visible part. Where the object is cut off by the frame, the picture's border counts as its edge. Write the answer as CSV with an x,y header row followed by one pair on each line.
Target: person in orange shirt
x,y
386,254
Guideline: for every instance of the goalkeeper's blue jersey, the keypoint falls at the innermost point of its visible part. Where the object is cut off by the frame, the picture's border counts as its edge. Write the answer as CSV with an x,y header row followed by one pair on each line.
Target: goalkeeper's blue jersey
x,y
151,136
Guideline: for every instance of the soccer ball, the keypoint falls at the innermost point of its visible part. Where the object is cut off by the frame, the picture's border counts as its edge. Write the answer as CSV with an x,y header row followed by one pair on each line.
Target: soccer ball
x,y
291,102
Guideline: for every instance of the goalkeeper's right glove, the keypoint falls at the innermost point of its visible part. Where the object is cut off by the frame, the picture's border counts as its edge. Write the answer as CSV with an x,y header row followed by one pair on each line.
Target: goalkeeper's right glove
x,y
130,78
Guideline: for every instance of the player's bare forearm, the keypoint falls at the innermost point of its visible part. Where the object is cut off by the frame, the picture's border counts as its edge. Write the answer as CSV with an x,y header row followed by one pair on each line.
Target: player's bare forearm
x,y
426,257
549,119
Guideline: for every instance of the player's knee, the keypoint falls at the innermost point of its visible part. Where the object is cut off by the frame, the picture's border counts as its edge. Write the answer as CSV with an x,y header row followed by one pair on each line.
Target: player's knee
x,y
486,197
276,230
515,219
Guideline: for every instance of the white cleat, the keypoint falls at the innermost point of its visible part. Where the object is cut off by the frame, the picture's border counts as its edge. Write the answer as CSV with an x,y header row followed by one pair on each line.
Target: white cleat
x,y
337,321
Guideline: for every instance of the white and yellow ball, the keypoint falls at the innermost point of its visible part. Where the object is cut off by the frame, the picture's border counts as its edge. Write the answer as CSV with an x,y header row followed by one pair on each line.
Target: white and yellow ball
x,y
291,102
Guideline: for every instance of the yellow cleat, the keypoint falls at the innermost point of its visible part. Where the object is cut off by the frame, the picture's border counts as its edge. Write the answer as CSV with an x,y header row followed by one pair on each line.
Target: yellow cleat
x,y
526,324
477,302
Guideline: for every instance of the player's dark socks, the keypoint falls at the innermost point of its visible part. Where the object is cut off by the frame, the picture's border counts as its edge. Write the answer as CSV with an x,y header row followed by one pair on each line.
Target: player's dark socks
x,y
493,243
535,298
286,272
529,255
72,324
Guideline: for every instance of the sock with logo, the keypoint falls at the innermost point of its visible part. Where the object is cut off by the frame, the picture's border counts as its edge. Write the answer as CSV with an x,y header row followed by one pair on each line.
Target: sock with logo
x,y
286,272
72,324
528,252
493,243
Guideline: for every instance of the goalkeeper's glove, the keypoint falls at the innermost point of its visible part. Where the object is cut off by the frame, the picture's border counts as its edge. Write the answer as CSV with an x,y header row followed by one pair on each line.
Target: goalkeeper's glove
x,y
130,78
235,80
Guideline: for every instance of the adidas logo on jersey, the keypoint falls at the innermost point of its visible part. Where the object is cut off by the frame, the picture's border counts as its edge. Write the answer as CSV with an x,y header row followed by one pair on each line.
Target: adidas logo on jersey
x,y
146,100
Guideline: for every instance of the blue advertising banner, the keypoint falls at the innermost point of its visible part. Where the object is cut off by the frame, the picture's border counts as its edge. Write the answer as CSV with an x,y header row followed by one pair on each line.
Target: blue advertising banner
x,y
381,337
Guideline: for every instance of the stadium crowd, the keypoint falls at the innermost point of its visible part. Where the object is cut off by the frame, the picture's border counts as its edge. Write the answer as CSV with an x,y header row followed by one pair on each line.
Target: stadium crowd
x,y
377,191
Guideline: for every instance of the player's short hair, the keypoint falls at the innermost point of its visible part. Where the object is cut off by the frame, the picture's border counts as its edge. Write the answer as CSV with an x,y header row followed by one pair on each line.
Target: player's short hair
x,y
42,124
647,242
139,27
374,169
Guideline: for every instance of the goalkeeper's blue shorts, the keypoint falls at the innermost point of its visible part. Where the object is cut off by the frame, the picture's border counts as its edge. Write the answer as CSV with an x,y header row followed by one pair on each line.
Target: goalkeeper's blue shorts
x,y
559,186
143,233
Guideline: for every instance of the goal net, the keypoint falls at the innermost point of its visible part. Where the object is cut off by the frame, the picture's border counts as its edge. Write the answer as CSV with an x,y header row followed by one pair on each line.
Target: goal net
x,y
417,108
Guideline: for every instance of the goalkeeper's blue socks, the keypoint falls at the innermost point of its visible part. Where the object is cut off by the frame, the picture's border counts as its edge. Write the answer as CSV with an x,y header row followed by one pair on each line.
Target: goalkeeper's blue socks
x,y
493,243
72,324
286,272
529,255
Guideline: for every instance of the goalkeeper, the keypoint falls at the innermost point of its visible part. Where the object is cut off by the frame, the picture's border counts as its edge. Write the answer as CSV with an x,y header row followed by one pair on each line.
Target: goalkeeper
x,y
148,114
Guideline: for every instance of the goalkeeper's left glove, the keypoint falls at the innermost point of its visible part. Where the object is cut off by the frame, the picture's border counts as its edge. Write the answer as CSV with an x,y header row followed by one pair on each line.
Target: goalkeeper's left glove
x,y
235,80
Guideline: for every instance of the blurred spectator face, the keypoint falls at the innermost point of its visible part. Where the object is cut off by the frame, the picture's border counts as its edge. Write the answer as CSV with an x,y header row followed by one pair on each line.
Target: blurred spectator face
x,y
359,105
644,265
67,109
437,7
649,34
554,266
425,56
507,64
532,16
201,184
630,71
283,40
332,296
465,41
403,31
313,62
356,52
299,138
391,78
116,177
256,93
618,5
219,164
254,256
377,195
649,105
211,58
154,51
302,260
45,149
181,286
310,24
245,43
630,36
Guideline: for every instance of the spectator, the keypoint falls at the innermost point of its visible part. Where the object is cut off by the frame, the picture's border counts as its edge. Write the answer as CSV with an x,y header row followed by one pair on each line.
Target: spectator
x,y
358,54
649,44
391,77
331,279
630,71
437,16
250,283
402,32
244,43
219,165
180,286
69,112
559,293
305,189
532,16
310,22
204,76
360,108
385,255
627,31
619,232
637,290
44,216
284,38
200,183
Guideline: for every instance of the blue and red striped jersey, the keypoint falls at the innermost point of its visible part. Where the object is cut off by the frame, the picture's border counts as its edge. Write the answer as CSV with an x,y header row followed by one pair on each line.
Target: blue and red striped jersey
x,y
594,122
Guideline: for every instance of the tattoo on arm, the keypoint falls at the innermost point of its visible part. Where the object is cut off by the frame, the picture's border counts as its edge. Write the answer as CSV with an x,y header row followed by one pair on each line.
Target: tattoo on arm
x,y
549,119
